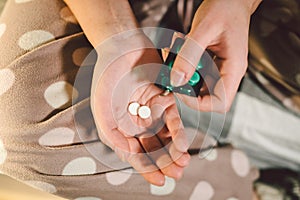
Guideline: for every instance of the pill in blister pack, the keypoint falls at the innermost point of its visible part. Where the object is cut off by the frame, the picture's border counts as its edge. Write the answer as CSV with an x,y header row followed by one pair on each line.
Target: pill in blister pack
x,y
192,88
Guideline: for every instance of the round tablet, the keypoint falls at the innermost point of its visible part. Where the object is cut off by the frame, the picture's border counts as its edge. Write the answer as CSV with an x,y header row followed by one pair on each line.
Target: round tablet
x,y
133,108
144,112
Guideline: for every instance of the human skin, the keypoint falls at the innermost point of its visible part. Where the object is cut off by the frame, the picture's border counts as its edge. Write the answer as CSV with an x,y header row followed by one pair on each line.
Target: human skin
x,y
221,27
103,19
118,18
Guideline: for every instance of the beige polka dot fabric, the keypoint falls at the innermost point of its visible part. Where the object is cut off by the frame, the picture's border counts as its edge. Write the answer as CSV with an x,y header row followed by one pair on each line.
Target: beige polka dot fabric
x,y
59,95
7,79
164,190
119,177
42,145
33,39
57,136
204,190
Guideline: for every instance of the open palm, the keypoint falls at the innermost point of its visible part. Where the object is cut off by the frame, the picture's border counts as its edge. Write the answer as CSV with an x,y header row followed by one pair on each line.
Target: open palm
x,y
156,146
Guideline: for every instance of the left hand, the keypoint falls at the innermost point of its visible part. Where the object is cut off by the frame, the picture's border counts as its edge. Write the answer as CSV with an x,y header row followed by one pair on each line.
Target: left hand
x,y
156,146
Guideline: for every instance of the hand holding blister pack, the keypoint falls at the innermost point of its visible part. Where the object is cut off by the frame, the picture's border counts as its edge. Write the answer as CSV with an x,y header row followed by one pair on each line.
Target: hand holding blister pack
x,y
133,116
192,88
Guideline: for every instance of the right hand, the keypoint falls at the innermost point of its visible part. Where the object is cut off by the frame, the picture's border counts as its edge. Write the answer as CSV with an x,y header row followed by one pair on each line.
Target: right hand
x,y
221,27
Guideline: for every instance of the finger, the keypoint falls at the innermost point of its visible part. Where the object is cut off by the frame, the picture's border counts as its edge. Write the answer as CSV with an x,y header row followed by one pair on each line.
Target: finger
x,y
155,177
186,62
221,96
171,170
147,169
118,142
140,161
156,151
208,85
232,68
157,111
145,93
158,105
180,158
175,126
130,125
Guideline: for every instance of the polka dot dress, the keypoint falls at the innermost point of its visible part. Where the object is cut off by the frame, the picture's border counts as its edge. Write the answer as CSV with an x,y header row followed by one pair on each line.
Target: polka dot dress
x,y
43,145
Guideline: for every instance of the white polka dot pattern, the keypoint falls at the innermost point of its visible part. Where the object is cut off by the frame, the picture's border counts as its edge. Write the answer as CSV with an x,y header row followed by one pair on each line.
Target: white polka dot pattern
x,y
60,94
7,79
118,177
57,136
47,187
204,190
80,166
166,189
22,1
209,155
87,198
33,39
3,153
2,29
240,163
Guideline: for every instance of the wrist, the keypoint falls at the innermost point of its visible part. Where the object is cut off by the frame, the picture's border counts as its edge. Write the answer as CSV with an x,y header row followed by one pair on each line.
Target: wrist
x,y
119,19
102,19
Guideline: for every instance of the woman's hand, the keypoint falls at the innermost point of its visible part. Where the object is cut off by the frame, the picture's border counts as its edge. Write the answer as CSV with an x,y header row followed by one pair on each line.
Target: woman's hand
x,y
125,72
153,148
221,27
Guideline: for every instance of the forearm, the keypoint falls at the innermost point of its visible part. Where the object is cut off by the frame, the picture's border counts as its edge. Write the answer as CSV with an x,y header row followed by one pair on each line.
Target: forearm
x,y
101,19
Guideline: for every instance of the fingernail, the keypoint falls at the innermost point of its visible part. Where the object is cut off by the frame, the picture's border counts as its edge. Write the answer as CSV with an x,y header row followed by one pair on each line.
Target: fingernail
x,y
177,78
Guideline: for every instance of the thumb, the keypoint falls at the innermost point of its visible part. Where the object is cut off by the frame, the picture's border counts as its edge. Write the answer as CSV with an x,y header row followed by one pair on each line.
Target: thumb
x,y
186,62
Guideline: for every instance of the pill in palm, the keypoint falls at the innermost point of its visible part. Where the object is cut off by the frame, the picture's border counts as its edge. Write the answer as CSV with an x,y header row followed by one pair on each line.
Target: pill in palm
x,y
144,112
133,108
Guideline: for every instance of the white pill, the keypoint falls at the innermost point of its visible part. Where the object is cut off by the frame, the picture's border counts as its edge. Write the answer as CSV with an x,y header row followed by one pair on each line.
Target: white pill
x,y
133,108
144,112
